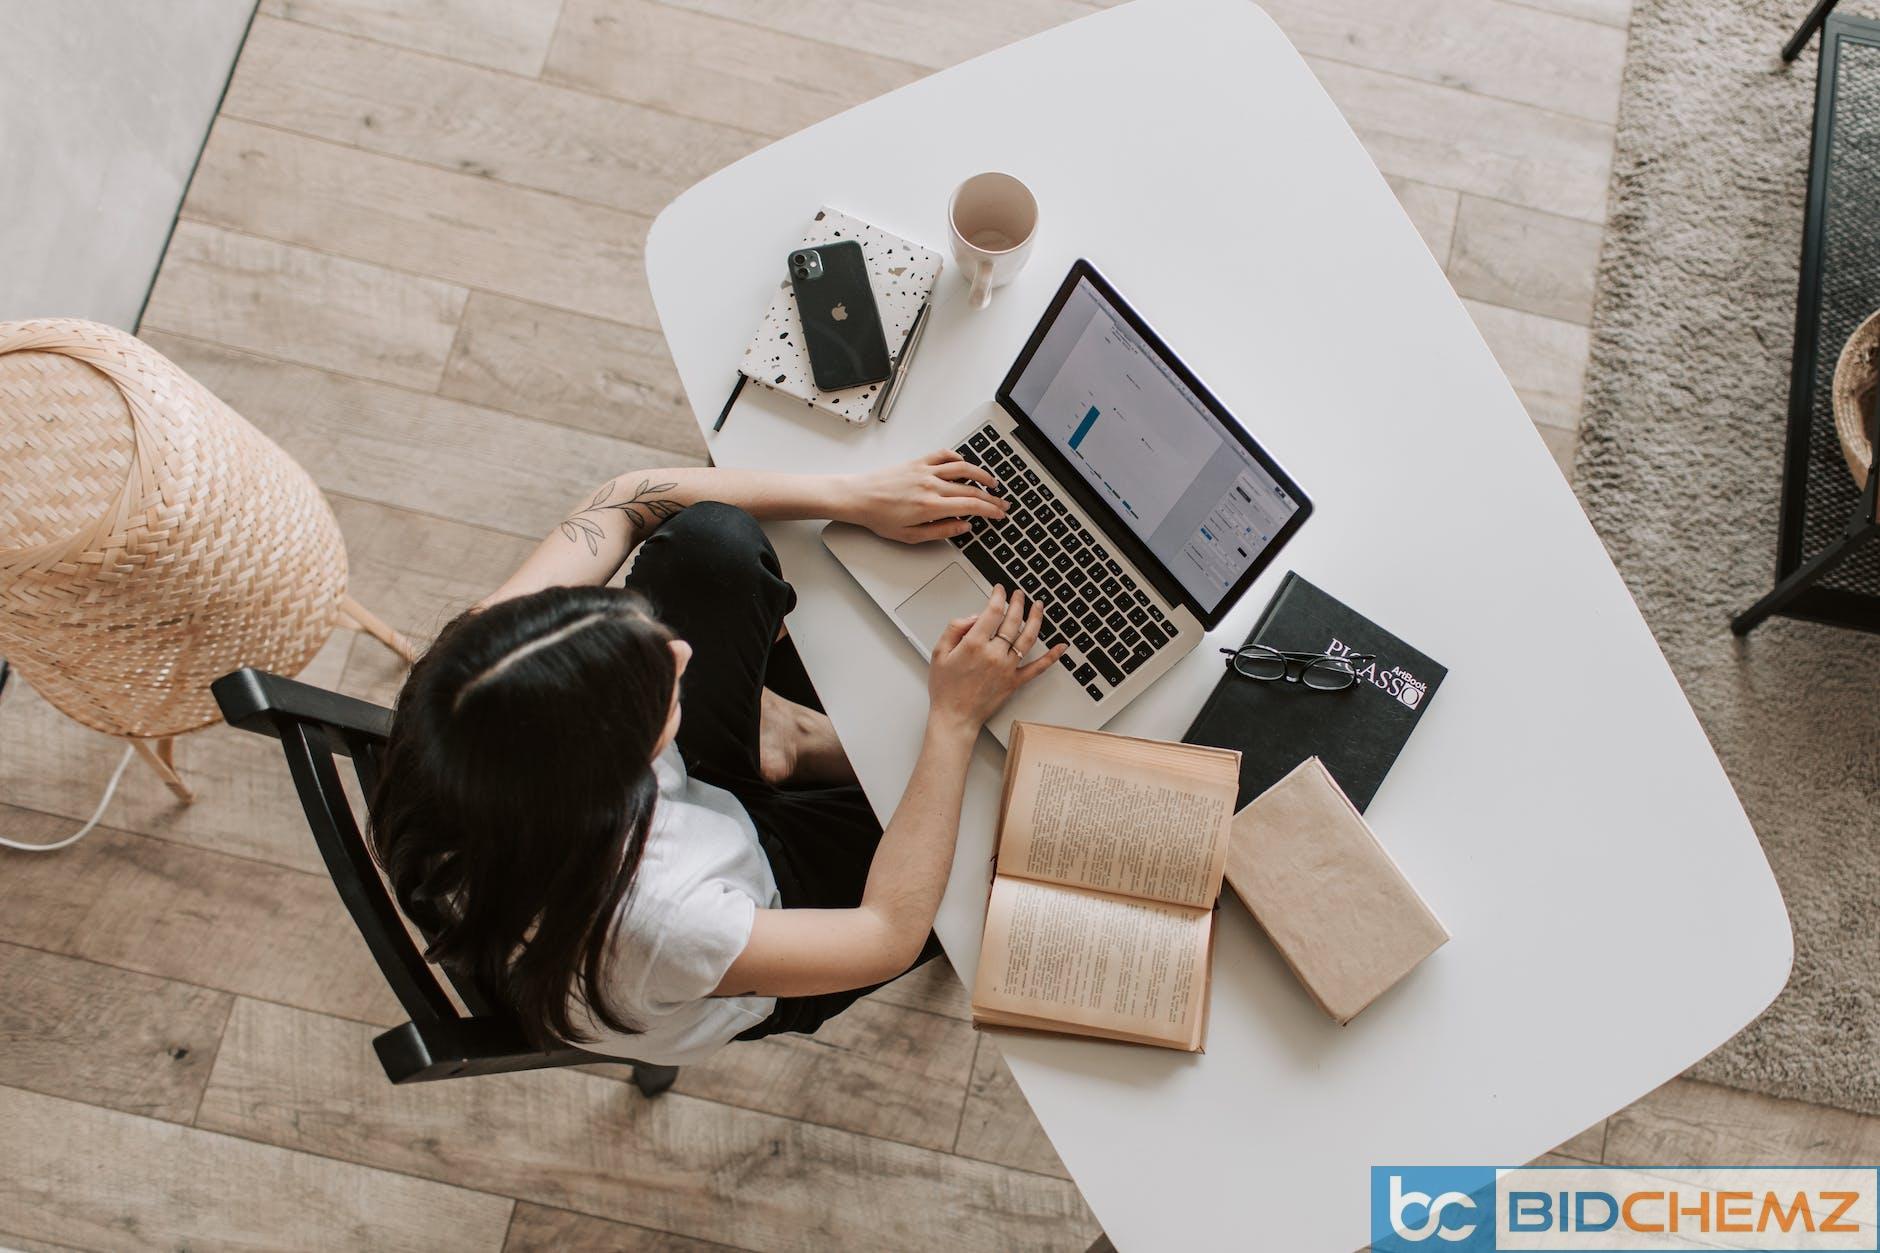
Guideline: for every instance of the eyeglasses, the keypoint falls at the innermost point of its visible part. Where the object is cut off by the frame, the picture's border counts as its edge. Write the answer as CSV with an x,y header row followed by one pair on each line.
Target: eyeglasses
x,y
1321,672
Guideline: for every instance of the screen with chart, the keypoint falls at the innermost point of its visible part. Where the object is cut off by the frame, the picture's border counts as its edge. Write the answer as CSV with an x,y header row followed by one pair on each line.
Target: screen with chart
x,y
1156,454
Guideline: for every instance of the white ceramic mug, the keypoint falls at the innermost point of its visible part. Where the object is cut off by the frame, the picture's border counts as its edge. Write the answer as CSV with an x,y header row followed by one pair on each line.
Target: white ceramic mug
x,y
994,218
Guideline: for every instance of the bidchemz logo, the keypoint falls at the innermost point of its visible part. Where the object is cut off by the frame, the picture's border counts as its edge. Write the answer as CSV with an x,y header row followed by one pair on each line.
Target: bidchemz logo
x,y
1437,1207
1395,682
1551,1209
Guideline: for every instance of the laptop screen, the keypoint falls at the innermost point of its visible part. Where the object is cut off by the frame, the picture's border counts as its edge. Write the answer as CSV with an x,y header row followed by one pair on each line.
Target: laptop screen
x,y
1202,501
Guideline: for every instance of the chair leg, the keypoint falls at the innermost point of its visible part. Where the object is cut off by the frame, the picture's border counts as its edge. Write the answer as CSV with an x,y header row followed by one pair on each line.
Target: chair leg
x,y
652,1080
365,620
1810,24
1804,577
161,758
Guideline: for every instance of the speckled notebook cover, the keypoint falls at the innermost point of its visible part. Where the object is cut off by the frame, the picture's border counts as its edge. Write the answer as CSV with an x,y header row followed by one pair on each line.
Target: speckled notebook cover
x,y
902,274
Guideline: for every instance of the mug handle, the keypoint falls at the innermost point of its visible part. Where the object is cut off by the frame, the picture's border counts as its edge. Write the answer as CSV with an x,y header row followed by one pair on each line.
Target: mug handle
x,y
982,285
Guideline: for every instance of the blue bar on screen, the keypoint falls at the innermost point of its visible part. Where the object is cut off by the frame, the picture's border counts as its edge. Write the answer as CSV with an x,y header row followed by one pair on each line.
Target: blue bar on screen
x,y
1083,428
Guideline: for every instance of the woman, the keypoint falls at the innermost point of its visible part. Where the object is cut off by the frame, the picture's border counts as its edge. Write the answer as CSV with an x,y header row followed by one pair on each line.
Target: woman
x,y
623,808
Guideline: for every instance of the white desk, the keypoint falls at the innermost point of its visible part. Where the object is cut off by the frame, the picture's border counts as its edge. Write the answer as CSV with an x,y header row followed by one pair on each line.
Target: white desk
x,y
1613,915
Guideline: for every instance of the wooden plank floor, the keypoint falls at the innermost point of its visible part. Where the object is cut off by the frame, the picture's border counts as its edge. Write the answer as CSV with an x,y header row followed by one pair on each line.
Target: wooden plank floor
x,y
412,256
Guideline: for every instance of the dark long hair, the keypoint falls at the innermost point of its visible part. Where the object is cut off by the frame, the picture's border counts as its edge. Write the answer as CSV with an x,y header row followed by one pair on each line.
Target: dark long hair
x,y
517,789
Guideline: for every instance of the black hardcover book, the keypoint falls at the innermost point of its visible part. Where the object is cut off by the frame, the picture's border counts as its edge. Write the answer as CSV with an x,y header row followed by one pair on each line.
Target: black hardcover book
x,y
1356,732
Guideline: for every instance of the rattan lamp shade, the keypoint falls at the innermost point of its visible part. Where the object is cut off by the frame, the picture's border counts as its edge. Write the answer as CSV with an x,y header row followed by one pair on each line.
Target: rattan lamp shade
x,y
151,540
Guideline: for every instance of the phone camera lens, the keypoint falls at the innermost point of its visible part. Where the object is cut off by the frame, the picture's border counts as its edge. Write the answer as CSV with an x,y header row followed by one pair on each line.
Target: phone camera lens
x,y
802,272
799,260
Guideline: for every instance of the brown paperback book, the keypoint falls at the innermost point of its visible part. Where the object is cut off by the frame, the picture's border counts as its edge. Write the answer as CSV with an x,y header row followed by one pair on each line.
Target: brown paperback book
x,y
1111,853
1336,906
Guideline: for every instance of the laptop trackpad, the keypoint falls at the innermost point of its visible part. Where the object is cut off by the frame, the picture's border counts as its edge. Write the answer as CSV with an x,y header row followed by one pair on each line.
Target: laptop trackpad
x,y
948,595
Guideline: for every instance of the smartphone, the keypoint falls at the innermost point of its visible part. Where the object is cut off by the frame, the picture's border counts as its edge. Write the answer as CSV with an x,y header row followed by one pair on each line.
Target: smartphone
x,y
841,326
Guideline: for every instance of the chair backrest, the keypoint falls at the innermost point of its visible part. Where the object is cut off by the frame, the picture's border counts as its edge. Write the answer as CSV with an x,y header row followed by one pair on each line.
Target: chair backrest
x,y
316,727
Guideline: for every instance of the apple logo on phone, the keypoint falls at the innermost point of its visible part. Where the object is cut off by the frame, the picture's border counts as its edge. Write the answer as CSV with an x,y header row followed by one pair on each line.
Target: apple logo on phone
x,y
840,313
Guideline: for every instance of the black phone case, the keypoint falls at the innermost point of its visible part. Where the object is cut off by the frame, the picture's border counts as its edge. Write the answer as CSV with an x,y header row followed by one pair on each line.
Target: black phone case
x,y
841,326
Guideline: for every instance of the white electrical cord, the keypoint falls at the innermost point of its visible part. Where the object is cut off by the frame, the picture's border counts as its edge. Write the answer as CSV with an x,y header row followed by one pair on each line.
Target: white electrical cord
x,y
110,789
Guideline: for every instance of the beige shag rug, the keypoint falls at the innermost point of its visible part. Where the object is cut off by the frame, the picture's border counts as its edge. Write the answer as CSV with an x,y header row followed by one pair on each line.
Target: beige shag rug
x,y
1680,467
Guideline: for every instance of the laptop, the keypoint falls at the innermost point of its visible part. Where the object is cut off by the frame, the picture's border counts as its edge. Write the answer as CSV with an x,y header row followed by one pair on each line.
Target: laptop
x,y
1141,511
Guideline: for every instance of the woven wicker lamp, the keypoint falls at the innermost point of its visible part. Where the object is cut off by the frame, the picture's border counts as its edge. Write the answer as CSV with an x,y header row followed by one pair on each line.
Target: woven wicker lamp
x,y
151,540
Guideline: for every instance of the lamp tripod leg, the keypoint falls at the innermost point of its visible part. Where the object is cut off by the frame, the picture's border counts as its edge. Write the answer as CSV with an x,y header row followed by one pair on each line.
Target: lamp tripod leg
x,y
365,620
161,757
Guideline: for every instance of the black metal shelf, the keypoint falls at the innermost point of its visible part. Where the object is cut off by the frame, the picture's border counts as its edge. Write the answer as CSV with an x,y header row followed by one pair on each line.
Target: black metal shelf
x,y
1827,563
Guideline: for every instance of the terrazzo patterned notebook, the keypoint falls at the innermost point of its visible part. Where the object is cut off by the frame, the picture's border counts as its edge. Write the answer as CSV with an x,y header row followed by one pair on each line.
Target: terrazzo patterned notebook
x,y
902,274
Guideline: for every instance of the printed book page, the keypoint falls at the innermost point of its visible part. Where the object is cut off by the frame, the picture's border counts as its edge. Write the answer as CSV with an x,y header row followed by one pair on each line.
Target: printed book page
x,y
1141,818
1062,958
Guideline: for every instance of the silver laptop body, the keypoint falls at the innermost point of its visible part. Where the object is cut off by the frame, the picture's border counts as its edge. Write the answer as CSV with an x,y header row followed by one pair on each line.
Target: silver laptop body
x,y
1166,515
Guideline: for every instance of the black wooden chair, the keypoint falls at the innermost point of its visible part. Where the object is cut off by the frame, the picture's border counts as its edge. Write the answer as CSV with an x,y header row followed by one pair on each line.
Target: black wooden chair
x,y
440,1042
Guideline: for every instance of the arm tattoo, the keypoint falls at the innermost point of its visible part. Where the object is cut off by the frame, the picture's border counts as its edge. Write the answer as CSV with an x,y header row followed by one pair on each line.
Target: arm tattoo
x,y
645,509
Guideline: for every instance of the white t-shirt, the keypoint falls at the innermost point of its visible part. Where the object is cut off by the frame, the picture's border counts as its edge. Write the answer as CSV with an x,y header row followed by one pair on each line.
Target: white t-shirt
x,y
701,880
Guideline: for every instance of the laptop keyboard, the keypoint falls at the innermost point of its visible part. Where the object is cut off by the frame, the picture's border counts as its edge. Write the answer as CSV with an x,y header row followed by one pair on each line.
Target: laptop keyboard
x,y
1113,626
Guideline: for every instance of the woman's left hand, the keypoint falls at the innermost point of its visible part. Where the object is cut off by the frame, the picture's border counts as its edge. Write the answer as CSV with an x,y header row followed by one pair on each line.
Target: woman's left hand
x,y
925,499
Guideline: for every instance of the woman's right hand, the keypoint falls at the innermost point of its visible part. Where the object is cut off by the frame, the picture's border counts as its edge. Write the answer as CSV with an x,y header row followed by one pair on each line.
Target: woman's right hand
x,y
980,661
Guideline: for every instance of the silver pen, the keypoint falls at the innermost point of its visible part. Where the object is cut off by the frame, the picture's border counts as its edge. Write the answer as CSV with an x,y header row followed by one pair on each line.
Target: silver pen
x,y
885,405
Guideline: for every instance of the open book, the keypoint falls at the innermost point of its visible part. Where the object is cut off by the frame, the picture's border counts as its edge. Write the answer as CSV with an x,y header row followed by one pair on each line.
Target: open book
x,y
1111,852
